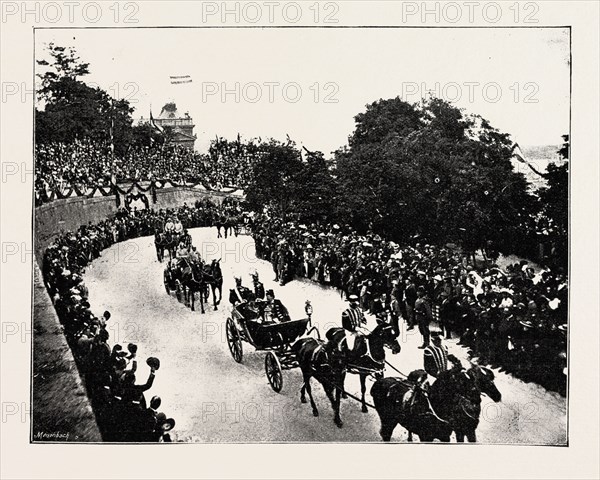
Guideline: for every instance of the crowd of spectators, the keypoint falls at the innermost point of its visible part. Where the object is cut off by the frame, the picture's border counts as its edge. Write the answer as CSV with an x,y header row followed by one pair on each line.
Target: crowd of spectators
x,y
513,318
82,166
110,372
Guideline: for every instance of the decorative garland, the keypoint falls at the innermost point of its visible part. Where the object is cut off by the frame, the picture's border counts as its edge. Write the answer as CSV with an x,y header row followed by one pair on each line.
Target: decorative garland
x,y
115,189
132,197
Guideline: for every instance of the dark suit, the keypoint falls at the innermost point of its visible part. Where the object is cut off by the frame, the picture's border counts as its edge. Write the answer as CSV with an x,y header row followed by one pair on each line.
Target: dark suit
x,y
423,317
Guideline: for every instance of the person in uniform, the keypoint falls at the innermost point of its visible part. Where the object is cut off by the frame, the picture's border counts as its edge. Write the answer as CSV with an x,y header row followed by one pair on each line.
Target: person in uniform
x,y
353,320
423,315
435,357
239,294
273,310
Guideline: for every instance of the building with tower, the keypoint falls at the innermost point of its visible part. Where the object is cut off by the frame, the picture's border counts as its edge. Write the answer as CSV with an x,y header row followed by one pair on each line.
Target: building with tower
x,y
182,126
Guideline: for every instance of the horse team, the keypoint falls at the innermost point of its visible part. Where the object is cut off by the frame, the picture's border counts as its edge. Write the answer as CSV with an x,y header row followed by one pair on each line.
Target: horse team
x,y
451,404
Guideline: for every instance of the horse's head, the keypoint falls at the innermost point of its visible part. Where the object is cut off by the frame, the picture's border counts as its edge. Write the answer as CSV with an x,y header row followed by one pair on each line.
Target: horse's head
x,y
387,335
484,381
215,266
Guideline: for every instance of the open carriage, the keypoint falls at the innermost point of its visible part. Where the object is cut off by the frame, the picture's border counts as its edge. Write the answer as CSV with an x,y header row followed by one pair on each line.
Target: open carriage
x,y
276,338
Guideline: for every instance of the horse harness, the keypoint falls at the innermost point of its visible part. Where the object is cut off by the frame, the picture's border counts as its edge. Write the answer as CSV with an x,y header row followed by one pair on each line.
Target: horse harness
x,y
314,356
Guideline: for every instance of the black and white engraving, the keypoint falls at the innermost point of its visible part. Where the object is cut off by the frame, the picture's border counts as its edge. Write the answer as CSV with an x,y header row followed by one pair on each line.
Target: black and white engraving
x,y
249,235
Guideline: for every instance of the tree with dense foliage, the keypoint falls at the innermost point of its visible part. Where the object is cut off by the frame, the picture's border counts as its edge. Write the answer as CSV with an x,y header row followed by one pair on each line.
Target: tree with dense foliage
x,y
273,178
69,109
555,204
429,171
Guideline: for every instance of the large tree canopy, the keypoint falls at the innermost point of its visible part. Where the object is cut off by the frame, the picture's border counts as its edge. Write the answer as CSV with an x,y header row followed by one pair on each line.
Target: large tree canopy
x,y
68,108
430,171
555,204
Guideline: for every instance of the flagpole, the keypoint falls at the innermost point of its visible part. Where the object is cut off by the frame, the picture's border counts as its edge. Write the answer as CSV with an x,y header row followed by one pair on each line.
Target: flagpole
x,y
113,176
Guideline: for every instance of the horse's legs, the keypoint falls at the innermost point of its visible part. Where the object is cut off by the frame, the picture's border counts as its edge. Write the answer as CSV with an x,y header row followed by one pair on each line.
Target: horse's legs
x,y
214,294
336,409
410,438
192,295
343,380
201,299
460,437
302,392
309,391
363,388
387,428
472,436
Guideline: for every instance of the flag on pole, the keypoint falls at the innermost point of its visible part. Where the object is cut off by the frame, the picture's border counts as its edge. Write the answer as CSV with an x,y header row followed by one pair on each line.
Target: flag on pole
x,y
153,123
518,154
176,79
113,175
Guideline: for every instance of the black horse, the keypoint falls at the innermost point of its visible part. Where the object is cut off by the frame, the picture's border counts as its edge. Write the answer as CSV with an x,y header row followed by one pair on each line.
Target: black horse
x,y
400,401
464,389
162,242
322,361
194,281
368,354
213,278
453,403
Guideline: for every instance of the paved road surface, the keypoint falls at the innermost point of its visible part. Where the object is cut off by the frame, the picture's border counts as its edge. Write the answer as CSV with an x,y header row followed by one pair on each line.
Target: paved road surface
x,y
214,399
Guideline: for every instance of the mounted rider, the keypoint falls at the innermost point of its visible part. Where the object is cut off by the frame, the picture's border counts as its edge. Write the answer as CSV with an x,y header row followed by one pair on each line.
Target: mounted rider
x,y
353,321
435,357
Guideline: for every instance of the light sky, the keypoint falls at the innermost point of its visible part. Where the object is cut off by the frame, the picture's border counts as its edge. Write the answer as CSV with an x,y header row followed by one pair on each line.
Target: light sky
x,y
518,79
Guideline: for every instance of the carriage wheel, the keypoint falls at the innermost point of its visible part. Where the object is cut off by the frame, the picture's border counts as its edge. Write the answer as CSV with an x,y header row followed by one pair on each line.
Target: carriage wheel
x,y
273,371
234,341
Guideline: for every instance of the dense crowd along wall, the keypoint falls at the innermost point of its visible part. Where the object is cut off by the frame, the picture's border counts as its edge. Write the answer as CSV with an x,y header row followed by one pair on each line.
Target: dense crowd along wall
x,y
55,374
61,410
69,213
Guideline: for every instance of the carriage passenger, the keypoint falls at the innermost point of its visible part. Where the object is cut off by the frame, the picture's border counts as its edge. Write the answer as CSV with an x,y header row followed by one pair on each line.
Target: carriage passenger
x,y
169,226
239,294
273,310
194,255
177,226
182,250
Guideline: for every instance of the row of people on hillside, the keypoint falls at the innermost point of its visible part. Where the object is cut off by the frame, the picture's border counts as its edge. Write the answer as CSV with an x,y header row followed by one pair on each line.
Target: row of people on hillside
x,y
514,318
84,165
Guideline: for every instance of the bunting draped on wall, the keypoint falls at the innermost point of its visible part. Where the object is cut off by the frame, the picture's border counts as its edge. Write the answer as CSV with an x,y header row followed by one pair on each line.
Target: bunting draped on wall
x,y
114,189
